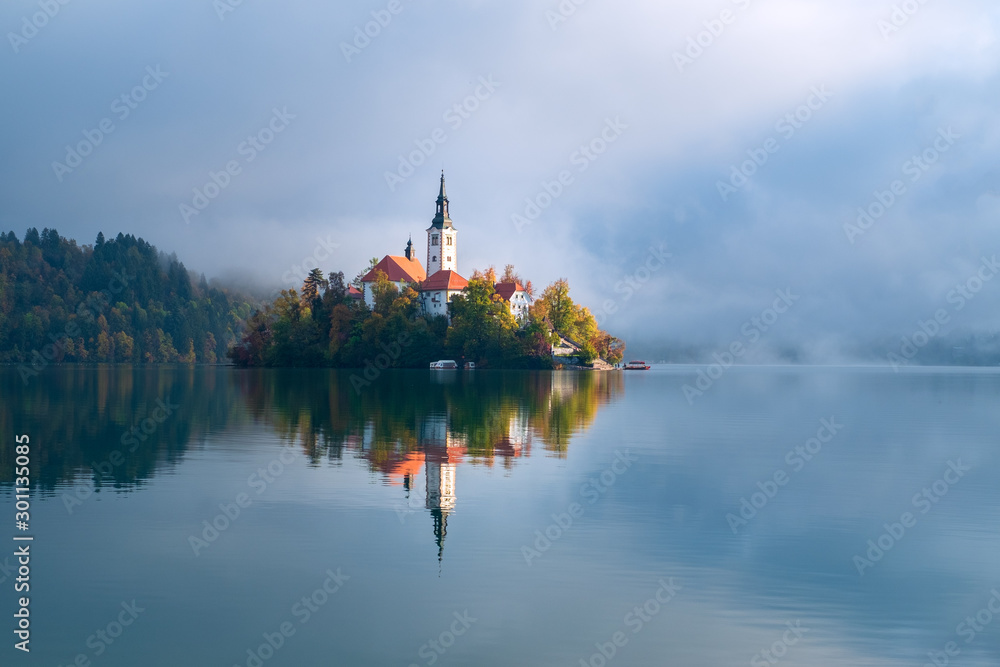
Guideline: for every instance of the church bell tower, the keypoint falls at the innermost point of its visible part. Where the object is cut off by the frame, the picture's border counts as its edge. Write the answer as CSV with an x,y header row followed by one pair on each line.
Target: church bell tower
x,y
442,238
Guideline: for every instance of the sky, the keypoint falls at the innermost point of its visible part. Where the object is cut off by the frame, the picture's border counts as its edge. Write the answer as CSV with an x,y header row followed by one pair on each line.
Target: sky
x,y
693,168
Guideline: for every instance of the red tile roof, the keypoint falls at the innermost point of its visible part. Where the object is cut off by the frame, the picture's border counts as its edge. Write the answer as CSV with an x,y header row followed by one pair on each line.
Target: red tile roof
x,y
444,280
399,269
506,290
354,292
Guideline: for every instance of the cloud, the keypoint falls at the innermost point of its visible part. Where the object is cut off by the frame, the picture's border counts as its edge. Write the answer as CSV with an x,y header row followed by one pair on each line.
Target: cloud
x,y
558,85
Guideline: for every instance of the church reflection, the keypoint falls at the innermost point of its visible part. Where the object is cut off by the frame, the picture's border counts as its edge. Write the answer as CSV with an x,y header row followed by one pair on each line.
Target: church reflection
x,y
407,425
439,452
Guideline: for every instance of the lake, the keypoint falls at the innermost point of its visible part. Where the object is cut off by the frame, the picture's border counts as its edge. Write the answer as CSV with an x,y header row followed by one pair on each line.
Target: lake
x,y
797,516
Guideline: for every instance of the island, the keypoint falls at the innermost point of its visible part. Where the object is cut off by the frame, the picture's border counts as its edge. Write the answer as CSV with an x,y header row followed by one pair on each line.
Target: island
x,y
397,314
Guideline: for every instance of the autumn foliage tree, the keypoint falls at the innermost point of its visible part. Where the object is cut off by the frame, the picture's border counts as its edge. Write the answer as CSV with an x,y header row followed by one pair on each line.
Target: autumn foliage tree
x,y
555,310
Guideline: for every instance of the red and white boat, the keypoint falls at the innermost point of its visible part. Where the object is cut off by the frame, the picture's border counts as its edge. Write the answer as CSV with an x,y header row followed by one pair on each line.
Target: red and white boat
x,y
636,366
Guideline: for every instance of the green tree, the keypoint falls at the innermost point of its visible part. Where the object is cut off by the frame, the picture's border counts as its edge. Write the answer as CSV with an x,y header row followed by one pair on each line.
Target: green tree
x,y
558,306
576,323
50,286
208,354
483,328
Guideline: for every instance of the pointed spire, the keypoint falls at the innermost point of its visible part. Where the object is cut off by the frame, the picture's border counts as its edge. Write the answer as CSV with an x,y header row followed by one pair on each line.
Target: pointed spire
x,y
409,248
440,530
441,218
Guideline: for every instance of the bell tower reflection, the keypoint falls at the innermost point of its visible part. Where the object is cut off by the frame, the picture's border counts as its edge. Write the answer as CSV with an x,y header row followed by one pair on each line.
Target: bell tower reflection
x,y
440,498
443,450
498,428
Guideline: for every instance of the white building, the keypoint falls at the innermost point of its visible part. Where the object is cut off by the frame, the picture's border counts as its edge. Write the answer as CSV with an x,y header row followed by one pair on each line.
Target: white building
x,y
401,271
437,292
518,300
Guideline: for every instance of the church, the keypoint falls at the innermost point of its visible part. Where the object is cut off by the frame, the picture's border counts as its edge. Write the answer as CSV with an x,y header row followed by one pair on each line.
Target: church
x,y
439,284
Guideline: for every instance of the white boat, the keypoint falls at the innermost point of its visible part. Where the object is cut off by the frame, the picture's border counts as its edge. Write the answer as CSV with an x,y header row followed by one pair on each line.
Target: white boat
x,y
444,365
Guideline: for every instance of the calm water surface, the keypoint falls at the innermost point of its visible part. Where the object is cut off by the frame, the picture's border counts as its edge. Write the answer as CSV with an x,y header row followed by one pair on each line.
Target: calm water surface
x,y
807,516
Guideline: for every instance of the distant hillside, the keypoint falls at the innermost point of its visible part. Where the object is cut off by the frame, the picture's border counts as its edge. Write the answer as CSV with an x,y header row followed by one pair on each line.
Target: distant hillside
x,y
119,300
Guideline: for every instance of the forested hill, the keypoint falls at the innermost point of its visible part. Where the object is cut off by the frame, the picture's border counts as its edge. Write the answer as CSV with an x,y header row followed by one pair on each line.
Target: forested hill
x,y
119,300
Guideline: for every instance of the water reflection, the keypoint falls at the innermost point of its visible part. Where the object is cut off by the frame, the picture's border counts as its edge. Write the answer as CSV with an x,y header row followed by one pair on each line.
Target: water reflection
x,y
123,425
466,468
430,422
128,423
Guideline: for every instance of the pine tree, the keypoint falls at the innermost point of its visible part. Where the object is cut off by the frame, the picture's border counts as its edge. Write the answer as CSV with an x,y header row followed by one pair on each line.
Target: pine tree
x,y
311,287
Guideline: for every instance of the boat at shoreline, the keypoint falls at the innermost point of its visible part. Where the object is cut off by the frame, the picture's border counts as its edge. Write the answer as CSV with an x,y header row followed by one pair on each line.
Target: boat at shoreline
x,y
444,365
636,366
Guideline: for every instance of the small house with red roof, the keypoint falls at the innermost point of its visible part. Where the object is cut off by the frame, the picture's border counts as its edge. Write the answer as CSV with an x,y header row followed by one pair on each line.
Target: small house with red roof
x,y
517,298
437,291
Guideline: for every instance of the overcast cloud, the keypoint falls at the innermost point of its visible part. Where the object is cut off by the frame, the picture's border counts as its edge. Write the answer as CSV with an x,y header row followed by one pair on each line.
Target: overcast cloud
x,y
546,88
